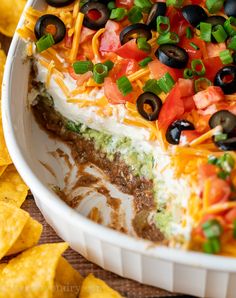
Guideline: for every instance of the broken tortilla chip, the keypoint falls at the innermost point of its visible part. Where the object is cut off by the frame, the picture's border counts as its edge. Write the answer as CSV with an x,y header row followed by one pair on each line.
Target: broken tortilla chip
x,y
12,188
93,287
11,11
2,169
12,222
67,280
32,273
2,64
29,237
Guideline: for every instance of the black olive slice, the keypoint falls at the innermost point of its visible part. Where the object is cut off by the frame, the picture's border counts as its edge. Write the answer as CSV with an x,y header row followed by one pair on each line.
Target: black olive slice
x,y
224,118
230,8
102,12
227,145
214,21
172,56
149,106
194,14
134,30
59,3
45,22
158,9
174,130
226,79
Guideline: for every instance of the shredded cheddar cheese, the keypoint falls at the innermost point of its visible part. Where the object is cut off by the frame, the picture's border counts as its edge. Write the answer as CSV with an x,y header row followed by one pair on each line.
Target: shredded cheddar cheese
x,y
138,74
62,85
220,207
49,74
206,136
95,43
76,38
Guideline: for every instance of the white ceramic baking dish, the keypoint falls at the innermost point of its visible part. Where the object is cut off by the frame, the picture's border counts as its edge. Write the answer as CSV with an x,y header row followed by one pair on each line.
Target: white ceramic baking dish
x,y
174,270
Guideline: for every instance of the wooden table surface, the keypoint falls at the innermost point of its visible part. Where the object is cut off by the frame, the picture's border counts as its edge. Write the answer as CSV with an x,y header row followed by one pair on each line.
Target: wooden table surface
x,y
127,288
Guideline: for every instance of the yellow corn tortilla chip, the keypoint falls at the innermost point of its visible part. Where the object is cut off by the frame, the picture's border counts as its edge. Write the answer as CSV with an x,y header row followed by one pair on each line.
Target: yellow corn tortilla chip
x,y
2,64
2,169
32,273
67,280
11,11
4,155
2,266
12,222
29,237
93,287
12,188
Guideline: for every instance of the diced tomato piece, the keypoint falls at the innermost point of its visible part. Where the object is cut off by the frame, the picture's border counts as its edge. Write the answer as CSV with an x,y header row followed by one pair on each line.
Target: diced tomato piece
x,y
189,103
230,216
193,53
177,21
172,109
212,65
185,87
80,78
86,34
188,136
110,40
125,3
206,171
130,50
220,191
207,97
113,94
158,70
123,67
214,49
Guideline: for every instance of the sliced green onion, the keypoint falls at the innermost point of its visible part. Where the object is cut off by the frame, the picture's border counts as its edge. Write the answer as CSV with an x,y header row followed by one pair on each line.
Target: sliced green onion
x,y
145,61
230,26
72,126
193,45
214,6
223,175
188,73
211,228
45,42
163,22
201,84
226,162
205,31
100,71
118,13
189,33
212,246
111,5
219,33
81,67
170,37
124,85
221,137
234,230
135,15
152,86
212,160
145,5
175,3
109,64
198,67
226,57
143,44
231,44
166,83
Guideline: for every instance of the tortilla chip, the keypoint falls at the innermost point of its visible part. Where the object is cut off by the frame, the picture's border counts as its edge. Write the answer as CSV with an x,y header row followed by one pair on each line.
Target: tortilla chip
x,y
67,281
12,188
93,287
29,237
2,169
11,11
12,222
32,273
2,266
2,64
4,155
